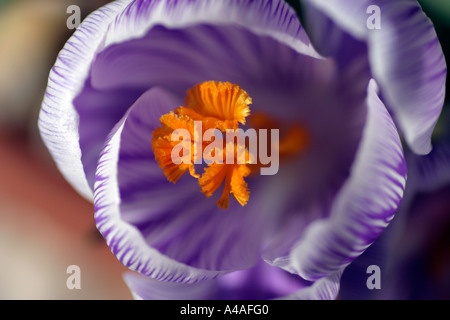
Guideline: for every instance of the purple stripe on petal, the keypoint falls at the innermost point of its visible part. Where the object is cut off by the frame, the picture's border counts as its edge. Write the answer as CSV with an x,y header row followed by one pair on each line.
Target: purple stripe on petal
x,y
410,68
177,59
144,288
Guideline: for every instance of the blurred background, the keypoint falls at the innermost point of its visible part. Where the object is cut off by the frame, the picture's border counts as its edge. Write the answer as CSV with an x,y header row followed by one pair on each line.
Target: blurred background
x,y
45,226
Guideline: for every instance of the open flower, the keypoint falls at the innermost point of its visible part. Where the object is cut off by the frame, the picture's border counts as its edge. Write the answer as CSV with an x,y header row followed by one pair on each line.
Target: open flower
x,y
135,72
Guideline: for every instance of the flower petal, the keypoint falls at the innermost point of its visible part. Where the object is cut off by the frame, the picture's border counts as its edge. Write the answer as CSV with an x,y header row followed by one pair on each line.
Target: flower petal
x,y
260,283
97,114
323,289
274,18
178,59
58,119
333,42
364,206
406,60
334,114
143,288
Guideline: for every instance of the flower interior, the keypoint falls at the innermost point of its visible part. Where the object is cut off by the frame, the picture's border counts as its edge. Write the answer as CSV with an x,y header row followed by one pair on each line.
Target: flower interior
x,y
210,108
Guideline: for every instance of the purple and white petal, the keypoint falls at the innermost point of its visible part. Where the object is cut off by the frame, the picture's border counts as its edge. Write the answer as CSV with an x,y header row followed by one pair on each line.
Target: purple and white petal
x,y
405,57
363,207
58,119
350,53
178,59
274,18
262,282
326,288
144,288
334,114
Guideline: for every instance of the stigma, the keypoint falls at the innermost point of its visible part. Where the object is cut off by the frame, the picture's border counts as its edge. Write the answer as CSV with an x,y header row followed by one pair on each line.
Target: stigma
x,y
192,136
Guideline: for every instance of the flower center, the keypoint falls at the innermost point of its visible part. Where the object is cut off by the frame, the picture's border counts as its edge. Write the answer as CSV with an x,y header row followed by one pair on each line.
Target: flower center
x,y
192,135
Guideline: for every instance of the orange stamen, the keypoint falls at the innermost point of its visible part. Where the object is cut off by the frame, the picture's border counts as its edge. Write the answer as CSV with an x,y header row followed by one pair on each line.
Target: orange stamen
x,y
222,106
294,140
220,100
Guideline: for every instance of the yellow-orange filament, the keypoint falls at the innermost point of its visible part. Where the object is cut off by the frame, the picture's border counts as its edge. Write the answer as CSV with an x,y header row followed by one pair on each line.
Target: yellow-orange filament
x,y
218,105
293,140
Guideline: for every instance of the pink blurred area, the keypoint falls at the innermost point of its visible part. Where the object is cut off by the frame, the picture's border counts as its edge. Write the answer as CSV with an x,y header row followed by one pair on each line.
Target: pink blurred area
x,y
45,226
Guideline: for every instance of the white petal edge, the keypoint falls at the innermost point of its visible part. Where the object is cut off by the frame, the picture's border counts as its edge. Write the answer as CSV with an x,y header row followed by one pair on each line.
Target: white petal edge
x,y
143,288
364,206
58,119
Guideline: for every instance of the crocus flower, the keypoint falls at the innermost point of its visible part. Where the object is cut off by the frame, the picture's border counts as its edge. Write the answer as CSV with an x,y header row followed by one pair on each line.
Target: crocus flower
x,y
137,71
